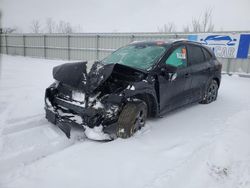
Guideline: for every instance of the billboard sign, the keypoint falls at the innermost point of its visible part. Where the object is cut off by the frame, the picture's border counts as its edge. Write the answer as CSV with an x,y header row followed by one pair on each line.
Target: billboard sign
x,y
225,45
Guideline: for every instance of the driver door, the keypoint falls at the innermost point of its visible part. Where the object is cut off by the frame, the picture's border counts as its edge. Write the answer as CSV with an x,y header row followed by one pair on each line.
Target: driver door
x,y
174,87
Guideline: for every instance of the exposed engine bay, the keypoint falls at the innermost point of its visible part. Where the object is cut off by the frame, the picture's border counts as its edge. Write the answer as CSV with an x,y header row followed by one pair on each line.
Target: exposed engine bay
x,y
90,99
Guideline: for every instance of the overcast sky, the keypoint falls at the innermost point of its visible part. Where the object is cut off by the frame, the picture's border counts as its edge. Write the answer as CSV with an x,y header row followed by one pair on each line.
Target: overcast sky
x,y
125,15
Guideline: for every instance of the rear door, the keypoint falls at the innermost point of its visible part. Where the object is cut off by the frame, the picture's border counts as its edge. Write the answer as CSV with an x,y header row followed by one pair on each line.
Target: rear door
x,y
199,59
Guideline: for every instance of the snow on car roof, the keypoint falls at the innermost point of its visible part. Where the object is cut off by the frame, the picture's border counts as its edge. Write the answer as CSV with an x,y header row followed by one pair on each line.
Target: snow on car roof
x,y
162,42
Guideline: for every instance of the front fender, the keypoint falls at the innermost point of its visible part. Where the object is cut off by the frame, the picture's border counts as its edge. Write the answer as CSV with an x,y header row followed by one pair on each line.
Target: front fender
x,y
136,88
143,90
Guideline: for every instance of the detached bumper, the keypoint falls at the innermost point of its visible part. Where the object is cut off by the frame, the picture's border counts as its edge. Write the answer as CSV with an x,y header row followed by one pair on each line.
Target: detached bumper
x,y
66,120
63,123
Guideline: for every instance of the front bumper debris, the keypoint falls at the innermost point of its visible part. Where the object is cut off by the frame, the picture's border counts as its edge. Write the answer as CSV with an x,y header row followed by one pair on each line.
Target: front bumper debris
x,y
63,123
66,114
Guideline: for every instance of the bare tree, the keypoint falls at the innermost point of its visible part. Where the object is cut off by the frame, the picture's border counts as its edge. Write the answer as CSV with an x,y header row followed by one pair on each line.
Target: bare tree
x,y
64,27
10,30
35,26
50,25
196,25
203,23
68,28
167,28
186,29
206,23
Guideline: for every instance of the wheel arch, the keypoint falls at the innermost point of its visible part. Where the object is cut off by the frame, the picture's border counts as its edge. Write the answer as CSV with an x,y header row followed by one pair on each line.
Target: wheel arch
x,y
150,100
217,80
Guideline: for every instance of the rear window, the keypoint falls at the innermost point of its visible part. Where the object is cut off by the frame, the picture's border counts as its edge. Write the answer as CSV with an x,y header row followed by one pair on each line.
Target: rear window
x,y
208,56
195,54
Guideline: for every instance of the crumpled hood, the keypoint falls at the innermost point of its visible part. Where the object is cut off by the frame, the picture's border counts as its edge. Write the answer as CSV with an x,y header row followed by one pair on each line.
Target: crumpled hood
x,y
77,76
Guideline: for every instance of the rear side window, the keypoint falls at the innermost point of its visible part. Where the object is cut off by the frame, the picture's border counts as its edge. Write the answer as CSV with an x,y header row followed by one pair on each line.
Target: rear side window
x,y
208,56
195,54
178,58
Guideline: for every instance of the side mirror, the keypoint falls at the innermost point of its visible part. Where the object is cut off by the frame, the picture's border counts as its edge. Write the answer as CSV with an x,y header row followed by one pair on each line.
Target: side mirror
x,y
169,72
168,68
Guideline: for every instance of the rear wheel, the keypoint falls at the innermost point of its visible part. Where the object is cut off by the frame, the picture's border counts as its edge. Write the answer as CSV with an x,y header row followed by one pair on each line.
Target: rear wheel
x,y
211,92
131,119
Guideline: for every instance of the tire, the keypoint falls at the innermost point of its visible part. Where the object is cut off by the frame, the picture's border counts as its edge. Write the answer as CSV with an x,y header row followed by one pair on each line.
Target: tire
x,y
131,119
210,93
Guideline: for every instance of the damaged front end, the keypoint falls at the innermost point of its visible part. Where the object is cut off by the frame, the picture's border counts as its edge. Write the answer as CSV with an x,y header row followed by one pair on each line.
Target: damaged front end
x,y
90,97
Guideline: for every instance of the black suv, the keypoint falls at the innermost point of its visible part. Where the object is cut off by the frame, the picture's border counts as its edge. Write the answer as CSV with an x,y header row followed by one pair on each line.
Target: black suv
x,y
112,98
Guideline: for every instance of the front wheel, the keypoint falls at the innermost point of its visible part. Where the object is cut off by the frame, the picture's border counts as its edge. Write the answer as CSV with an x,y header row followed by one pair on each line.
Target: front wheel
x,y
132,118
210,93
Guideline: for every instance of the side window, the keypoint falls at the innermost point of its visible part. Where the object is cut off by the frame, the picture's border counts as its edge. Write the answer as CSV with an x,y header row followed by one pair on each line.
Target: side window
x,y
208,56
195,54
178,58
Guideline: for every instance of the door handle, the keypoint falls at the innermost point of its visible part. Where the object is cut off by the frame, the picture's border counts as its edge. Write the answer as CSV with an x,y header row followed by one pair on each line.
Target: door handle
x,y
187,75
209,69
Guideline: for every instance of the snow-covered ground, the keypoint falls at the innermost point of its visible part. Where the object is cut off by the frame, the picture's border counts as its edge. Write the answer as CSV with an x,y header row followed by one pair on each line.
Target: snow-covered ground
x,y
196,146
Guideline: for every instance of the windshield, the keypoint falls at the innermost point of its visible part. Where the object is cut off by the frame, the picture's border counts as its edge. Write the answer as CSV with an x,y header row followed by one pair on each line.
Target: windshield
x,y
140,56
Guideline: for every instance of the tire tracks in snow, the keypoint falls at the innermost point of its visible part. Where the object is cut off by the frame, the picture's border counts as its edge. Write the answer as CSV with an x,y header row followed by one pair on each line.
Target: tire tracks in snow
x,y
27,139
24,147
24,124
